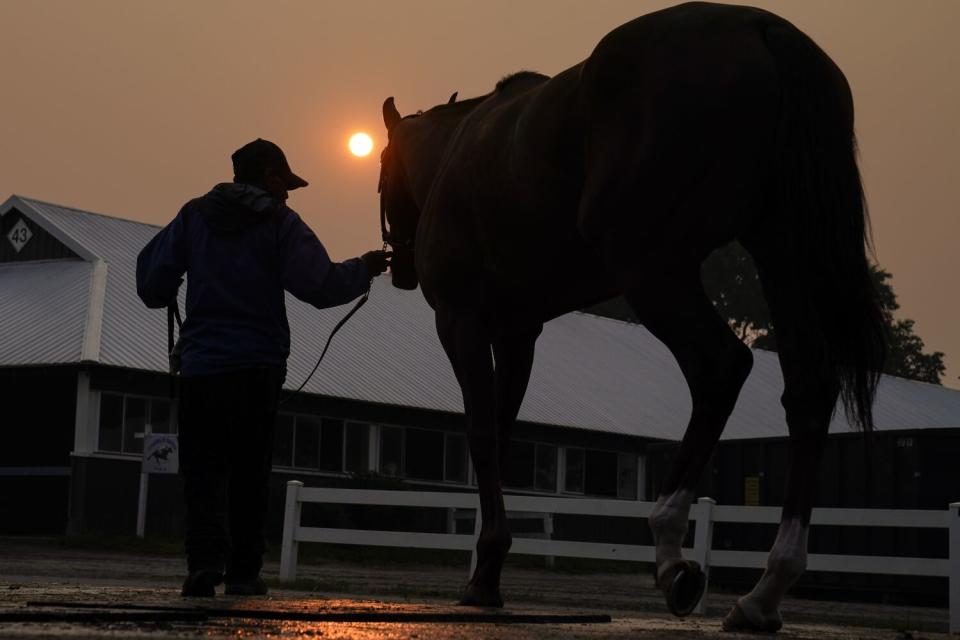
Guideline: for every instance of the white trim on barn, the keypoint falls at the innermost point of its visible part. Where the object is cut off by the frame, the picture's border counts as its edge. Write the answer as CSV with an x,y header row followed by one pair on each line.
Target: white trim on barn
x,y
85,428
94,323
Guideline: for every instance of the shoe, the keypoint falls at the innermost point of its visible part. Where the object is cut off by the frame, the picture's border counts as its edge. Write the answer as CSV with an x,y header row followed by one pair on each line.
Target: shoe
x,y
252,587
200,584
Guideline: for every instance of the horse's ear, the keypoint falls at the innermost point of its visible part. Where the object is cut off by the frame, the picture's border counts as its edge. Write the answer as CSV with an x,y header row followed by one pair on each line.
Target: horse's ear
x,y
453,98
390,114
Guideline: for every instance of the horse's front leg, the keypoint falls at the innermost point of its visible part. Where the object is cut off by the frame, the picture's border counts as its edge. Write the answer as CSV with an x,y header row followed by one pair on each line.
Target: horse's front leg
x,y
513,360
468,346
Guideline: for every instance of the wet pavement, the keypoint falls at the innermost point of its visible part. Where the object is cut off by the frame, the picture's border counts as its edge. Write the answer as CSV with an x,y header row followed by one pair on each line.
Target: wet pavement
x,y
51,592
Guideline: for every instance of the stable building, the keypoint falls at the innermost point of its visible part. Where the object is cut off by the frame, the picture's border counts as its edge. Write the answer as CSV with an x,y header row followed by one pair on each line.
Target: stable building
x,y
83,377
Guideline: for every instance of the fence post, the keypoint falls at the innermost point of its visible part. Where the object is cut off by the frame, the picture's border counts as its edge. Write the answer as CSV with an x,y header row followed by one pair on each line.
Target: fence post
x,y
548,534
451,520
702,541
477,523
291,521
954,564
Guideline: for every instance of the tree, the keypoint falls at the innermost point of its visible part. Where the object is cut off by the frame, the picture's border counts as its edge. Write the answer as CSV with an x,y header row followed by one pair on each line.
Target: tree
x,y
731,282
906,357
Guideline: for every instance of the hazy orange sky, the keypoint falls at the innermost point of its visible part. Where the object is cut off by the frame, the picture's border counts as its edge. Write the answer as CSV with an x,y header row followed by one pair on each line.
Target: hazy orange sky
x,y
130,108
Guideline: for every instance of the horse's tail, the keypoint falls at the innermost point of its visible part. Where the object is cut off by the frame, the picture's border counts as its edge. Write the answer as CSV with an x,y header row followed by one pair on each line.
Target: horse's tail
x,y
821,201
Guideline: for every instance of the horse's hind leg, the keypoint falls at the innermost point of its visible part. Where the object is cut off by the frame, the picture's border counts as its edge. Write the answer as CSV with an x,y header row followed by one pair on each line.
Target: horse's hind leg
x,y
810,394
715,364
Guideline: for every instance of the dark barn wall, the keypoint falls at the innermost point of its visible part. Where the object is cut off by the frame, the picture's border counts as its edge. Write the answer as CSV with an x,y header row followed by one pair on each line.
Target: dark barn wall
x,y
38,408
34,504
106,493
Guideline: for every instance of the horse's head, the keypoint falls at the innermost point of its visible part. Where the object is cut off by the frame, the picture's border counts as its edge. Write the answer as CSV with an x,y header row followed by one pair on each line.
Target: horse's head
x,y
402,167
399,213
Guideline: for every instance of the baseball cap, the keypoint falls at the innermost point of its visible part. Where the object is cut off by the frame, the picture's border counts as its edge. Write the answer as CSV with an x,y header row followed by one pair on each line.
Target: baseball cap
x,y
250,160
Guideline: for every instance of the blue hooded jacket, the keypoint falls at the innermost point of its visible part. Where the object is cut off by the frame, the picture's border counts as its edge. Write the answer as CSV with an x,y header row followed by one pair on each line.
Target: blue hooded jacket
x,y
241,248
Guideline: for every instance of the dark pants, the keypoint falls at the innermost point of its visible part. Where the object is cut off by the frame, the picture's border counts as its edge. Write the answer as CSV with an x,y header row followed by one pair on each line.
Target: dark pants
x,y
226,442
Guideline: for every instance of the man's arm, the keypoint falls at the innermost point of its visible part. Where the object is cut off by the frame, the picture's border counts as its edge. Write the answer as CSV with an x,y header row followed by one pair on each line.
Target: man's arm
x,y
310,275
161,265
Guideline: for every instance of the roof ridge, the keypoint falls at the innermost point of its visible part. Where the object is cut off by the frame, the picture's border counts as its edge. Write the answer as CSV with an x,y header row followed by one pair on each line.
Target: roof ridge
x,y
87,212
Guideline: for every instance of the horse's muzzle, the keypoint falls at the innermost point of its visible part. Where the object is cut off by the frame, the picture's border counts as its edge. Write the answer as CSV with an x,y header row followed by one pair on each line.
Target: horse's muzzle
x,y
402,270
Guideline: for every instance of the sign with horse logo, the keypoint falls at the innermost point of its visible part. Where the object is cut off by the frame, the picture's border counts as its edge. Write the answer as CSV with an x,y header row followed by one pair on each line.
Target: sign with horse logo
x,y
160,453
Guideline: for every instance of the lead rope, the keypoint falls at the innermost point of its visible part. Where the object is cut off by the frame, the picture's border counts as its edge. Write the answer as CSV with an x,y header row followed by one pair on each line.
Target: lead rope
x,y
343,321
173,353
173,314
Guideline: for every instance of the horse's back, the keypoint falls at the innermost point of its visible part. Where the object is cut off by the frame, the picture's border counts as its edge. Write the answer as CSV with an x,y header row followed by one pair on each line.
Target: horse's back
x,y
680,110
678,102
681,60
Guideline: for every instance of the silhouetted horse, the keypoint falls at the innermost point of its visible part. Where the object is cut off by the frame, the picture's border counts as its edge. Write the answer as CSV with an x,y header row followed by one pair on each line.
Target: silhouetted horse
x,y
683,130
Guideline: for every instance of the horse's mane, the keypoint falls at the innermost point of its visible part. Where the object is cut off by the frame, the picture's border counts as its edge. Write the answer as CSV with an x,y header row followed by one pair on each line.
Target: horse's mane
x,y
520,76
506,82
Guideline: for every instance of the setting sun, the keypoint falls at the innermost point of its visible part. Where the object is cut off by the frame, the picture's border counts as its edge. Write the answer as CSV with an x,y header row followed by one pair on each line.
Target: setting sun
x,y
360,144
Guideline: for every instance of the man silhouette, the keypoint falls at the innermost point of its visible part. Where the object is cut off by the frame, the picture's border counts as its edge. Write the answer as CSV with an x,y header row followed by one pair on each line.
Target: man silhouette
x,y
241,247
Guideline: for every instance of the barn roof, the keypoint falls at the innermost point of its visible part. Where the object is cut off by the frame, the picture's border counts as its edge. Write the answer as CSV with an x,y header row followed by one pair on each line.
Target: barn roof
x,y
590,372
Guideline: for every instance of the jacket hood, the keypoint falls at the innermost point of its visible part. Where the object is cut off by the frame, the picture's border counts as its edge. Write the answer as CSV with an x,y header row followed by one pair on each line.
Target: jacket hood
x,y
233,206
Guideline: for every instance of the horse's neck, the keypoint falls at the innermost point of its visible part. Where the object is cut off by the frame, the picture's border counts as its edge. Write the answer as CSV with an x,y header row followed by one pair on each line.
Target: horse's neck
x,y
427,148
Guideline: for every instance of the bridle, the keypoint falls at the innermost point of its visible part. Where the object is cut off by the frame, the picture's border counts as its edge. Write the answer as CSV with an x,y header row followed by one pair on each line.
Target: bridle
x,y
389,239
384,233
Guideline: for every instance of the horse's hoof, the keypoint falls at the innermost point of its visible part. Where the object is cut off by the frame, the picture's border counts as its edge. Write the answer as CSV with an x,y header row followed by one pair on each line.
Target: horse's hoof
x,y
684,588
737,620
476,596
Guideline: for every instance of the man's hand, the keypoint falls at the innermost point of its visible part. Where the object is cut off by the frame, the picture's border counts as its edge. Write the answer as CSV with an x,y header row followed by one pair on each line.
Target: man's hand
x,y
376,261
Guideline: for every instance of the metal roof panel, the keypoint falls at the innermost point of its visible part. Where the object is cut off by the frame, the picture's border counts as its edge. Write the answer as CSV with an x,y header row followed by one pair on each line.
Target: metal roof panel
x,y
43,308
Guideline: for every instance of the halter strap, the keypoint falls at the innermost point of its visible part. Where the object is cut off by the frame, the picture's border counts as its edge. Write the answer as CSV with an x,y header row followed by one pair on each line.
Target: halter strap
x,y
384,234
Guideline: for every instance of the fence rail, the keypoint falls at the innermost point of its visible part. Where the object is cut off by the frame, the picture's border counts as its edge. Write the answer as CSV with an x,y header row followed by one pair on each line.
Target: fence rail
x,y
705,512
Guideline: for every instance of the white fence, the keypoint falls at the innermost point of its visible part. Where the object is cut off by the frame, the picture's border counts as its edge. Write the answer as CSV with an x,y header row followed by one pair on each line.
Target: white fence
x,y
705,511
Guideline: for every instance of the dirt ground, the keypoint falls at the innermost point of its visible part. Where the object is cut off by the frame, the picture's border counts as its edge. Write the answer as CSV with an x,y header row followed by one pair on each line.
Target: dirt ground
x,y
48,591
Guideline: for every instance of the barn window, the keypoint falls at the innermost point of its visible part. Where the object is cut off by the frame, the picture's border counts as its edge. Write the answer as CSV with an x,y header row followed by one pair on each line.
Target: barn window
x,y
519,471
331,445
391,451
357,447
600,473
423,454
134,424
455,458
306,442
111,422
325,444
627,476
160,418
573,469
125,419
546,468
